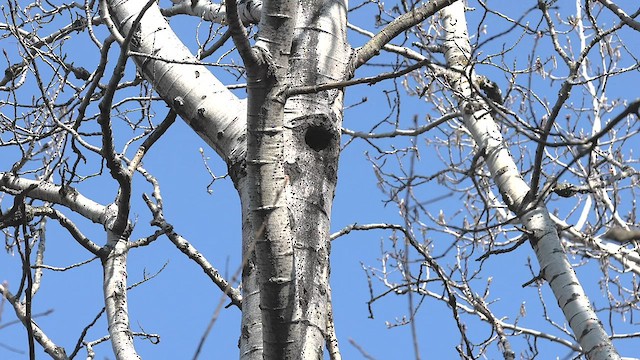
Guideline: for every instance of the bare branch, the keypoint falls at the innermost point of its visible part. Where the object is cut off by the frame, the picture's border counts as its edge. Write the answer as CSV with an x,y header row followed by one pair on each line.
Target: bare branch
x,y
628,20
186,248
401,132
65,196
311,89
71,228
397,26
49,346
239,36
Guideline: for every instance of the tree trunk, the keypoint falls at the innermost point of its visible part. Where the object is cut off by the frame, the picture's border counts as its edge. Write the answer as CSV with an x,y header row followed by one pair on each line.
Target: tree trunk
x,y
543,236
293,148
114,264
287,183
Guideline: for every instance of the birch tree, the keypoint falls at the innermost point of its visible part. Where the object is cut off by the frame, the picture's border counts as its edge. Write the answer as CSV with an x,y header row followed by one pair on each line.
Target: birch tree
x,y
518,196
272,107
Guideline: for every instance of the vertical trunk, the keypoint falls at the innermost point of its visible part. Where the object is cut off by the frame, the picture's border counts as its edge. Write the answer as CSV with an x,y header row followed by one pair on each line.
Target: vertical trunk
x,y
287,196
267,182
291,208
251,324
320,54
115,294
554,265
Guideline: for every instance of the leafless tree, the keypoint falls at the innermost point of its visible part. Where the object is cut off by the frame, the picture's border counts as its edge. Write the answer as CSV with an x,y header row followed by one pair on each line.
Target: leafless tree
x,y
509,112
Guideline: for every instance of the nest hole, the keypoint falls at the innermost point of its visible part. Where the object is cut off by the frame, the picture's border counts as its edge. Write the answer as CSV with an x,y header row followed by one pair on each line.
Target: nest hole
x,y
317,137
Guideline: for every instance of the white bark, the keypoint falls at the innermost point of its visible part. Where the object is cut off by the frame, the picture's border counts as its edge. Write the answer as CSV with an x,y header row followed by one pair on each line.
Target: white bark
x,y
55,351
321,55
267,182
115,294
215,113
199,98
305,192
554,265
67,196
114,260
293,151
203,9
249,11
292,166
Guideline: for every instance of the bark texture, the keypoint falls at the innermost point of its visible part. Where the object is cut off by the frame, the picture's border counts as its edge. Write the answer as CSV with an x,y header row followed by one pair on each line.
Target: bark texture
x,y
267,182
200,99
292,156
295,146
554,265
115,294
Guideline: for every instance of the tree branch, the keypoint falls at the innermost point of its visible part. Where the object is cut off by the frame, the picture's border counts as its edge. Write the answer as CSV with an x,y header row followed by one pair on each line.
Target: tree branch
x,y
312,89
192,253
65,196
622,15
239,36
397,26
192,91
70,227
49,346
401,132
554,265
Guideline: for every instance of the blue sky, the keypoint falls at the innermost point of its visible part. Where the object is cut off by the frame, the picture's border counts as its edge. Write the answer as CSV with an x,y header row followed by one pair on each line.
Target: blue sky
x,y
178,303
